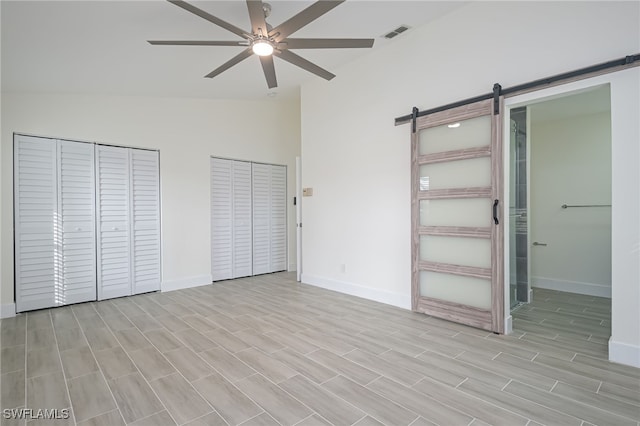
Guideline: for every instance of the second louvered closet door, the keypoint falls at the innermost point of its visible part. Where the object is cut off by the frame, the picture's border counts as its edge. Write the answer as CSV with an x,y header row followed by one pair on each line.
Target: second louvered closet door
x,y
114,233
76,206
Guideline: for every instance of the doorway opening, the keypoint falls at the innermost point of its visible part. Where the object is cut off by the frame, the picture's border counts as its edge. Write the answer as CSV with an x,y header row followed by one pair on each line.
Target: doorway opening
x,y
560,215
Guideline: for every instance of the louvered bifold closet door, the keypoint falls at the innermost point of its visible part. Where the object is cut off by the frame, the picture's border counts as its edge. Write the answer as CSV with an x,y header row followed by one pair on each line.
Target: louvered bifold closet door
x,y
37,244
145,203
242,239
76,204
261,194
221,219
278,220
114,240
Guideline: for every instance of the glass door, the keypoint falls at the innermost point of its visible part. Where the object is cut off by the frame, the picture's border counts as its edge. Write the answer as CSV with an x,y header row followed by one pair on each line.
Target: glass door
x,y
457,228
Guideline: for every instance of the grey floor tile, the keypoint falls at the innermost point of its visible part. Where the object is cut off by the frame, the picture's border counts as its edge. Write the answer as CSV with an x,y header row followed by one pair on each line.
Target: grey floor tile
x,y
233,405
163,340
472,406
620,393
39,319
304,365
428,407
145,323
100,339
12,359
198,322
131,339
211,419
111,418
516,404
13,335
194,340
134,397
63,318
266,365
259,340
370,402
227,364
190,365
70,338
226,340
114,363
603,402
48,391
279,404
332,344
226,322
12,389
172,323
290,340
314,420
39,338
384,367
106,309
343,366
42,361
117,322
177,309
151,363
328,405
77,362
560,403
181,399
90,396
159,419
369,421
92,321
497,381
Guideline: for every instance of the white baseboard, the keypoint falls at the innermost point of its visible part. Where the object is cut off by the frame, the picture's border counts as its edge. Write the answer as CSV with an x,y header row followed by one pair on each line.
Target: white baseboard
x,y
8,310
624,353
590,289
390,298
187,282
508,325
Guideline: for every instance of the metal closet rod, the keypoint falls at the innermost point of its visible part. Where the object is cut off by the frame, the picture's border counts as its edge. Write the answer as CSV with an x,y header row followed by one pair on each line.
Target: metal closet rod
x,y
566,206
532,84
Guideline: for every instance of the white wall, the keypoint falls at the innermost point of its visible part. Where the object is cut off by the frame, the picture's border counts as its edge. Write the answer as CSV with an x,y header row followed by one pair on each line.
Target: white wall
x,y
359,164
187,132
571,164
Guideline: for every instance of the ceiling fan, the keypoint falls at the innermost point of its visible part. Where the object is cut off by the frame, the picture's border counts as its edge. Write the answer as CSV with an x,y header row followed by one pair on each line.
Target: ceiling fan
x,y
265,41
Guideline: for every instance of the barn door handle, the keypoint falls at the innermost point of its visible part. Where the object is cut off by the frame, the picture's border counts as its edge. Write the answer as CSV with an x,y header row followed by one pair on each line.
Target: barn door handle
x,y
495,211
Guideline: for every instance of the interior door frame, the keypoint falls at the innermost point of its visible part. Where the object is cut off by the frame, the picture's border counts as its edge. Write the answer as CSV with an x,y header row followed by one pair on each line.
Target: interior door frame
x,y
567,88
492,319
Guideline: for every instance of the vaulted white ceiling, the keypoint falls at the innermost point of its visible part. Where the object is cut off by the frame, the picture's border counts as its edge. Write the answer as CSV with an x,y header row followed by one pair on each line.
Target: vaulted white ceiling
x,y
100,47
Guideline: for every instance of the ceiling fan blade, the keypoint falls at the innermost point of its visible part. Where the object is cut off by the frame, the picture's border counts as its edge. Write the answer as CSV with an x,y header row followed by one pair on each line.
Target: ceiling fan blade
x,y
269,71
327,43
299,61
303,18
209,17
196,43
256,14
233,61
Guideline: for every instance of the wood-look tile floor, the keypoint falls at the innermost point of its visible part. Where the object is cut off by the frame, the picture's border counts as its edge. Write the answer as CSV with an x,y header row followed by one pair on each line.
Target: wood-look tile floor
x,y
268,351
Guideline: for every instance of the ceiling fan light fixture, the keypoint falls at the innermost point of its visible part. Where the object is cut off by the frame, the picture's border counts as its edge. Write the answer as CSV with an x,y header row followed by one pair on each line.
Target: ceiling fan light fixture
x,y
262,47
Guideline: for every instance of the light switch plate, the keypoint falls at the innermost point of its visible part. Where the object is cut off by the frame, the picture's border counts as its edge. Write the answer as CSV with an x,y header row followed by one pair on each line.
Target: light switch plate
x,y
307,192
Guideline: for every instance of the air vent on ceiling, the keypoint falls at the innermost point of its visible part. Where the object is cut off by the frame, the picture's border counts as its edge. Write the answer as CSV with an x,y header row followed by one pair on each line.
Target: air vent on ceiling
x,y
396,32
